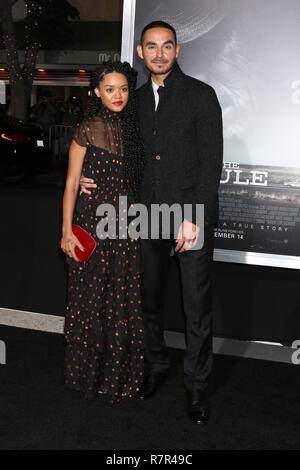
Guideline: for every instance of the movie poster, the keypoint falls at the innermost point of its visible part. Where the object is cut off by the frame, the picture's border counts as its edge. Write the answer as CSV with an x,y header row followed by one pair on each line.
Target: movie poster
x,y
249,52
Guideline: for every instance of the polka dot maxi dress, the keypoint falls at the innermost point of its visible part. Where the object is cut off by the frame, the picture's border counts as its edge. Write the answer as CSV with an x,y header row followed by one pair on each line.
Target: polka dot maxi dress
x,y
103,326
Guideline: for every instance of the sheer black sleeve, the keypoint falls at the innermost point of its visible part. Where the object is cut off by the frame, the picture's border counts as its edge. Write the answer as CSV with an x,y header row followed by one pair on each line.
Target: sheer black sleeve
x,y
80,134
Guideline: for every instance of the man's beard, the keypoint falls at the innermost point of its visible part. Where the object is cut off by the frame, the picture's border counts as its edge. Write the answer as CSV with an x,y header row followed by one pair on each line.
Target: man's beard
x,y
163,71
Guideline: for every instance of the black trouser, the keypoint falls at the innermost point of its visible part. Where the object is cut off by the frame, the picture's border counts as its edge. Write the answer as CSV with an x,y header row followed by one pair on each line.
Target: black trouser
x,y
195,267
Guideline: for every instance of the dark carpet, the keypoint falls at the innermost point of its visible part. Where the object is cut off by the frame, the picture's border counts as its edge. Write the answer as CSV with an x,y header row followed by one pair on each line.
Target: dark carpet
x,y
255,405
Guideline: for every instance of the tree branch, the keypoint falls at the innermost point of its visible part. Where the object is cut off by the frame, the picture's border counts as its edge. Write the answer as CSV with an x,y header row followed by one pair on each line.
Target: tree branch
x,y
30,61
9,38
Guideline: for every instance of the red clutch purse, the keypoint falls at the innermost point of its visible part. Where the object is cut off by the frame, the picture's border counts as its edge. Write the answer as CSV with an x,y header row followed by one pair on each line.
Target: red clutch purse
x,y
86,240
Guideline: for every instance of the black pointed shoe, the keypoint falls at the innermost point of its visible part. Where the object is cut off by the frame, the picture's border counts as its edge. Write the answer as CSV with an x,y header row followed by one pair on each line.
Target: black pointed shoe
x,y
198,408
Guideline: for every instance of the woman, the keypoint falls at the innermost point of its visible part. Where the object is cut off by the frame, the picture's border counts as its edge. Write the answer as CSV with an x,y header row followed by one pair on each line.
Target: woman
x,y
103,327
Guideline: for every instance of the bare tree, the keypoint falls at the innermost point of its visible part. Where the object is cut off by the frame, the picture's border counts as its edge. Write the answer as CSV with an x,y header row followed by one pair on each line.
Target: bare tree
x,y
46,23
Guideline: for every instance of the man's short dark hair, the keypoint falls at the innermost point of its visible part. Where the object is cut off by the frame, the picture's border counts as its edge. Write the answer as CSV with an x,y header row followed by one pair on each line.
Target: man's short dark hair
x,y
158,24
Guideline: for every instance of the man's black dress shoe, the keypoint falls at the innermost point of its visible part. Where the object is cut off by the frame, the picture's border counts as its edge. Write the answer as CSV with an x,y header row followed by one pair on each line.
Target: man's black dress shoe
x,y
150,385
198,408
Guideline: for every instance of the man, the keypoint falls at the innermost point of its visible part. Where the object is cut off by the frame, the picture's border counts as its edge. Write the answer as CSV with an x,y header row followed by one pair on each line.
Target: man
x,y
44,112
181,126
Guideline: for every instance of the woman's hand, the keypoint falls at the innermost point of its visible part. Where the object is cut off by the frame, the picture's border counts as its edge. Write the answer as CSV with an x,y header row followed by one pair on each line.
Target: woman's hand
x,y
68,244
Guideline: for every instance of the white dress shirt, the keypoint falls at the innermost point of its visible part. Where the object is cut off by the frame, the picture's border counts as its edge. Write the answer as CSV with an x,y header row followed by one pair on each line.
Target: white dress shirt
x,y
156,95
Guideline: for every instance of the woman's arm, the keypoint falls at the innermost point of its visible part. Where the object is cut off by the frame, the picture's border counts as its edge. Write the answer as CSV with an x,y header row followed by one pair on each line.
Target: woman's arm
x,y
76,158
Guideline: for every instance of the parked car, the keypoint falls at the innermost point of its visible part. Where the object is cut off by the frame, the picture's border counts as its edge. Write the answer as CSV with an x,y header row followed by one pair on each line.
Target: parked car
x,y
24,149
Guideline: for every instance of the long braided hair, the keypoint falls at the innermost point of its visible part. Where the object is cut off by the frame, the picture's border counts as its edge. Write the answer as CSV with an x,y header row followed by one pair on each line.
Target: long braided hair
x,y
134,154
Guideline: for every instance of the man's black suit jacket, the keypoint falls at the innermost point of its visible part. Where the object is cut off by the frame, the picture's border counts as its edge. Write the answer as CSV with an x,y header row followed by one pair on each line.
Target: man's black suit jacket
x,y
183,142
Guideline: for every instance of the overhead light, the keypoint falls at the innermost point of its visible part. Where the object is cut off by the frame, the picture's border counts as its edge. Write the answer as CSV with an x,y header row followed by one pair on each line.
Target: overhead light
x,y
41,70
2,70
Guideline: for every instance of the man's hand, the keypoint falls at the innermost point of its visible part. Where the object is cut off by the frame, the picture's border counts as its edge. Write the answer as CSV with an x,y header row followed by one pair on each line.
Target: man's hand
x,y
187,236
86,183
